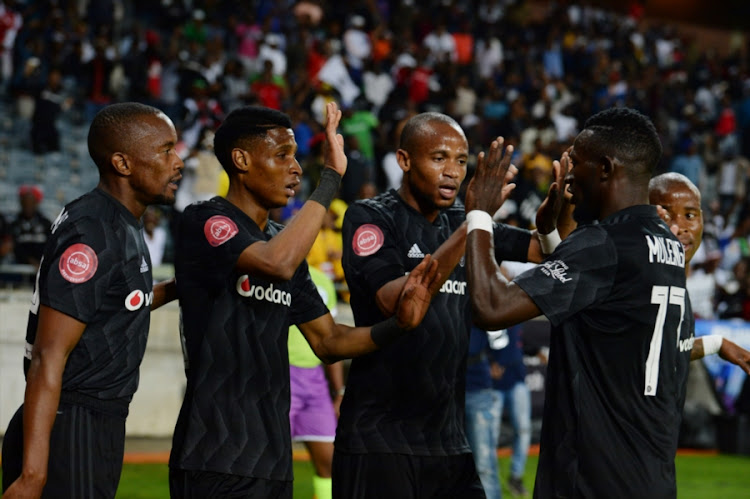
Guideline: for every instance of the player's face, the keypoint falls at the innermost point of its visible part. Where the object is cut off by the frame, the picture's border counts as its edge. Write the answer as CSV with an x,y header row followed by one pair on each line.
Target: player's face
x,y
156,166
583,180
684,208
273,173
436,166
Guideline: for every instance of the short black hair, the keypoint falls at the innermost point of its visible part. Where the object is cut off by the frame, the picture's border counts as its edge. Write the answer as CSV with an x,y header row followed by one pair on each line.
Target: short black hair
x,y
627,135
419,124
245,123
111,127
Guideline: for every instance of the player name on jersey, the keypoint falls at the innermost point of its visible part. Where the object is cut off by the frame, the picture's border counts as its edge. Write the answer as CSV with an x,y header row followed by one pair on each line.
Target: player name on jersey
x,y
666,251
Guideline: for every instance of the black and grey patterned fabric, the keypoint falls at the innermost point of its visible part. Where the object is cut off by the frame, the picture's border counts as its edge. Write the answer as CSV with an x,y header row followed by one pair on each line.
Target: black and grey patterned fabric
x,y
408,398
96,268
620,346
235,416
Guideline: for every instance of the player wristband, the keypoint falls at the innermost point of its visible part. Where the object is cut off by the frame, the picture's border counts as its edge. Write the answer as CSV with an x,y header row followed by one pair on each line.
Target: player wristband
x,y
327,188
386,332
712,344
478,219
549,241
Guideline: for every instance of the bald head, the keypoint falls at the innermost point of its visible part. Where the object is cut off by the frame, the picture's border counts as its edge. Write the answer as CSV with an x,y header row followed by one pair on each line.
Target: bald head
x,y
682,201
662,185
421,126
117,128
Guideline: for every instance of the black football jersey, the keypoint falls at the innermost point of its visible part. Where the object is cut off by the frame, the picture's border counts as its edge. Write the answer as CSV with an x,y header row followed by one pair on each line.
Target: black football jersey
x,y
408,397
96,268
620,345
235,415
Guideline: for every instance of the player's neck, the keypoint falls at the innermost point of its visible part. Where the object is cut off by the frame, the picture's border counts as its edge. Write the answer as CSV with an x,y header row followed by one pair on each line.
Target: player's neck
x,y
249,207
622,197
428,211
124,196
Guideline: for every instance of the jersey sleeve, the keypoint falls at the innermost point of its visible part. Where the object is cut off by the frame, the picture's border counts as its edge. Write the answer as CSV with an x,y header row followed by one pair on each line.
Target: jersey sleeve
x,y
307,304
370,249
511,243
212,242
77,269
577,275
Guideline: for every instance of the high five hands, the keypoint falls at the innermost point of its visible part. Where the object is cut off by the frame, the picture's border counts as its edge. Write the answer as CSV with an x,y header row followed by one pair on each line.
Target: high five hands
x,y
335,158
557,202
416,295
490,186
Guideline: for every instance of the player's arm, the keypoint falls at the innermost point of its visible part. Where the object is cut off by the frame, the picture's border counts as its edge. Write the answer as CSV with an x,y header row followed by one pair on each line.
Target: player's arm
x,y
279,258
57,335
335,375
164,292
496,303
332,342
727,350
448,255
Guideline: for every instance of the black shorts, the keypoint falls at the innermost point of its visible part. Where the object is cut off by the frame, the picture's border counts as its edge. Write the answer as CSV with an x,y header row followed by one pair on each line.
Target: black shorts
x,y
189,484
85,453
376,476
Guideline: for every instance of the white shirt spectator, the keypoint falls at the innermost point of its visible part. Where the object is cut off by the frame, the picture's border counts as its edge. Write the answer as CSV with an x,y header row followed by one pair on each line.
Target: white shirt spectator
x,y
377,87
357,44
334,73
393,171
271,50
441,45
489,56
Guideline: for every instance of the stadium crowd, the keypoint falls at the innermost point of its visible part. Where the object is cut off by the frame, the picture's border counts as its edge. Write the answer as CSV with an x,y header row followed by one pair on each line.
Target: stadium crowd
x,y
528,71
500,67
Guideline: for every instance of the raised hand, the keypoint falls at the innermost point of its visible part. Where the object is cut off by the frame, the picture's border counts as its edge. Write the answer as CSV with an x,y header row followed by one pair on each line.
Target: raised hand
x,y
415,295
335,158
664,215
490,186
731,352
555,202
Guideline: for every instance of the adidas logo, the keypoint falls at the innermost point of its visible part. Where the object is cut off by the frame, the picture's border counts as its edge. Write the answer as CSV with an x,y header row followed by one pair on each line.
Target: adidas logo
x,y
144,265
415,252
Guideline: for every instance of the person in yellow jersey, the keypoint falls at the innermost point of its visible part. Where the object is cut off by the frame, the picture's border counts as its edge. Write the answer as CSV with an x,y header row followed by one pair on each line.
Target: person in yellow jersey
x,y
312,414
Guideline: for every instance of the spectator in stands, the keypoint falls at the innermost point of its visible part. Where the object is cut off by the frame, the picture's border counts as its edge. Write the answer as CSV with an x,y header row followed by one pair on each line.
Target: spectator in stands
x,y
357,44
45,137
269,88
30,229
688,162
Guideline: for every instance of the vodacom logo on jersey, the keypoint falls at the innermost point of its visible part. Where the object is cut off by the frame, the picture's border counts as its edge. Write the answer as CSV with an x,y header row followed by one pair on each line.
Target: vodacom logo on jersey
x,y
137,299
269,294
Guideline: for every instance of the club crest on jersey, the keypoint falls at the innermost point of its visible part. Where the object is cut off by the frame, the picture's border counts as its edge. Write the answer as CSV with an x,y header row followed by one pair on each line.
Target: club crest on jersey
x,y
556,270
137,299
78,263
368,239
269,294
219,229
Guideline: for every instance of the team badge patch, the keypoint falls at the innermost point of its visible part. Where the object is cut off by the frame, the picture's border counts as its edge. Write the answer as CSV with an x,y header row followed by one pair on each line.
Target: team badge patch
x,y
219,229
368,239
78,263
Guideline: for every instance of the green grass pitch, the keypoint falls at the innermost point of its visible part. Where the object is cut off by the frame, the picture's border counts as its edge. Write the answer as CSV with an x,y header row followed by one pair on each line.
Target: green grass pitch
x,y
698,477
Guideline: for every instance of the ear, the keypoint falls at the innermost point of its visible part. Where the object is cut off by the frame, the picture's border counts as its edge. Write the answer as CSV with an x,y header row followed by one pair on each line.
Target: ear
x,y
403,160
241,159
121,163
607,168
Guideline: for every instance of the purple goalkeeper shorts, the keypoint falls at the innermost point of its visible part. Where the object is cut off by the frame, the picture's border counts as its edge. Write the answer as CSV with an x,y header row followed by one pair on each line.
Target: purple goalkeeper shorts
x,y
311,412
